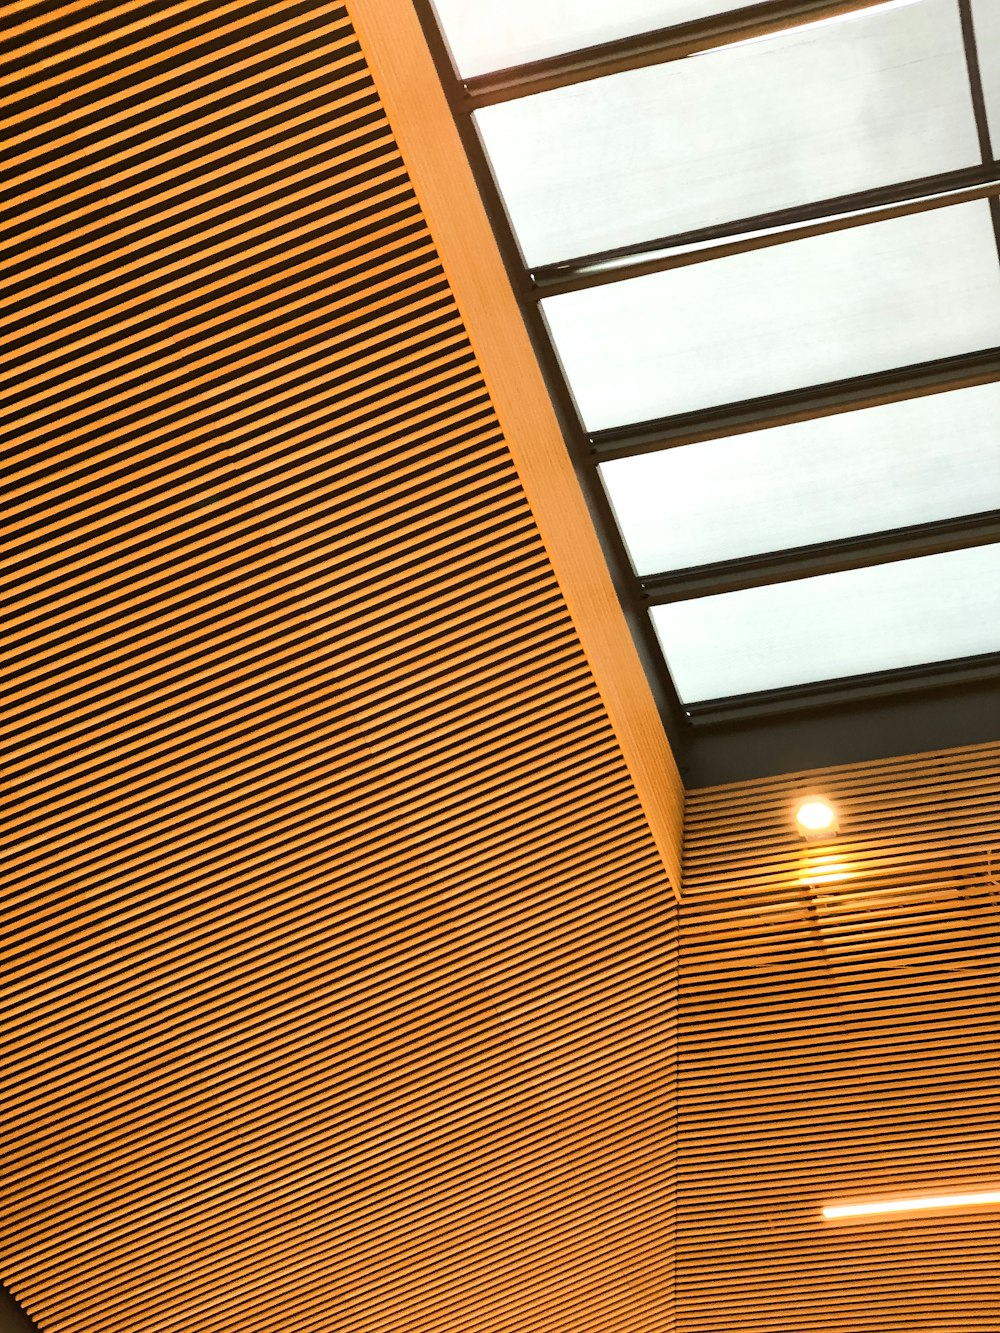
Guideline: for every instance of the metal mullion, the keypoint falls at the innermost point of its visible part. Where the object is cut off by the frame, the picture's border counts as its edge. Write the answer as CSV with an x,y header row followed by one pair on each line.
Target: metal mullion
x,y
918,539
880,196
731,238
855,720
649,48
787,406
874,685
979,105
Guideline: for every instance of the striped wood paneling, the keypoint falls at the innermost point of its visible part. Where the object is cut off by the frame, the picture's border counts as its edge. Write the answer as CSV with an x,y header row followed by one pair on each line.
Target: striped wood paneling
x,y
394,42
840,1040
339,964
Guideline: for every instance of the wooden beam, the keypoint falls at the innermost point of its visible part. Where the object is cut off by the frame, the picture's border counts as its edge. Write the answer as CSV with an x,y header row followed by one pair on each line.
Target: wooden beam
x,y
425,130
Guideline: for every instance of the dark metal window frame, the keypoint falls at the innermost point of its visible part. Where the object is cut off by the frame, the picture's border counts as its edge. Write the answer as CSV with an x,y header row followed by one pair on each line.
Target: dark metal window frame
x,y
825,722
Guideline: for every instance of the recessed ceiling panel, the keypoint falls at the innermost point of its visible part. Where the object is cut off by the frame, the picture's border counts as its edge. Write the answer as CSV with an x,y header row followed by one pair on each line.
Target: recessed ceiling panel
x,y
986,22
809,114
487,35
847,303
916,461
930,609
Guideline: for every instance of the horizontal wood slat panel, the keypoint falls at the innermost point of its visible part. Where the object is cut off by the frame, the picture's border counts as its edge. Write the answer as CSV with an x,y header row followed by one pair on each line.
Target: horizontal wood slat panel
x,y
840,1041
396,45
340,959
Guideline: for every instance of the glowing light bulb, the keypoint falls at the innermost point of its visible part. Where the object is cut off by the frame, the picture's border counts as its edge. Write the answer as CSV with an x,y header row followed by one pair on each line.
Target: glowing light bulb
x,y
815,817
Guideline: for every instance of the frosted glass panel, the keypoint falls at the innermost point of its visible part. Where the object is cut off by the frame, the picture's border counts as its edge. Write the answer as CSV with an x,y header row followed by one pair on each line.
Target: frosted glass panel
x,y
487,35
805,312
986,21
886,616
884,467
809,114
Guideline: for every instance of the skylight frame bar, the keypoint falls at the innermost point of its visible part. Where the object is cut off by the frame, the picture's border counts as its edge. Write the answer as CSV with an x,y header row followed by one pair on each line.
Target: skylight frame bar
x,y
860,719
792,405
879,197
882,205
979,109
649,48
830,557
873,686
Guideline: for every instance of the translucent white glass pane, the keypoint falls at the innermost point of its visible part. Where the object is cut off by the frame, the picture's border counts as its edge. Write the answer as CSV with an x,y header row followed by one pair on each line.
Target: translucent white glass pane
x,y
986,21
883,467
804,312
488,35
808,114
875,619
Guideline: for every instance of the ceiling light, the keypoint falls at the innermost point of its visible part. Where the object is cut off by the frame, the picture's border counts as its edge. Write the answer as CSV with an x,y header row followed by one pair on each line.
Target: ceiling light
x,y
816,817
912,1205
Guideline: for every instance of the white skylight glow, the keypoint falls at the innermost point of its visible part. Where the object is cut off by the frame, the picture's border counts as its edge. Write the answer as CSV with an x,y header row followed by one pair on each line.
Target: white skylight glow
x,y
652,152
986,24
848,303
877,618
920,460
487,35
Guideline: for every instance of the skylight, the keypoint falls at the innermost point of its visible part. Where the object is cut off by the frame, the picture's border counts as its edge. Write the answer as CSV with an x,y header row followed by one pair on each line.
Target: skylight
x,y
763,246
812,481
830,307
812,114
857,621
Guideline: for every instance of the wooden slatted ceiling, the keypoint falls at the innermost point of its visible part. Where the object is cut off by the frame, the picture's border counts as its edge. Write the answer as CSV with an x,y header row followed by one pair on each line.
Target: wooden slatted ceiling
x,y
839,1042
339,971
396,47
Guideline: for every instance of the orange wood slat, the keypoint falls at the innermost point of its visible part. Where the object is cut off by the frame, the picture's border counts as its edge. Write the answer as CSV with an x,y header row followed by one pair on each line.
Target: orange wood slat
x,y
341,977
839,1043
394,43
340,960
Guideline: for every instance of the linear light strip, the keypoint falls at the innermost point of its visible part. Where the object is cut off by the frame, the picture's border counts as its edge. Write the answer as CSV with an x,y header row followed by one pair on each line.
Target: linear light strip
x,y
929,1201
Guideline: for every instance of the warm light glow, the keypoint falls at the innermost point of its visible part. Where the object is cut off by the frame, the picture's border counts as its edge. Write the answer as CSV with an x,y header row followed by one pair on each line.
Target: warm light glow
x,y
822,870
814,816
912,1205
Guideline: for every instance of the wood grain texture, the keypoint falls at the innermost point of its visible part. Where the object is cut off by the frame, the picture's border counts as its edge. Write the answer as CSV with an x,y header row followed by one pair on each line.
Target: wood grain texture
x,y
840,1041
340,974
339,978
442,178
